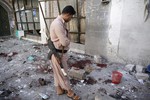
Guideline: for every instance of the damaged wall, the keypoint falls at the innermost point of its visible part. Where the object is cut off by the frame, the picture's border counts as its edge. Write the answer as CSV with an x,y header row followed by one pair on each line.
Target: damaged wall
x,y
97,25
120,33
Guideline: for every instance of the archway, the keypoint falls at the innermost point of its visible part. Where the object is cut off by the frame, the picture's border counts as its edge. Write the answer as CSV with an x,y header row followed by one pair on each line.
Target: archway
x,y
6,19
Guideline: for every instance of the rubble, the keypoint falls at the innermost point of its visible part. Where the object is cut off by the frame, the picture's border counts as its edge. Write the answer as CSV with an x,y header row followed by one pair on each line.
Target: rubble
x,y
129,67
107,81
102,90
5,93
134,89
43,69
81,64
12,54
8,54
9,59
134,68
118,94
103,97
142,76
2,82
88,69
139,68
97,59
90,81
76,73
102,65
34,83
36,47
1,40
16,97
3,55
74,82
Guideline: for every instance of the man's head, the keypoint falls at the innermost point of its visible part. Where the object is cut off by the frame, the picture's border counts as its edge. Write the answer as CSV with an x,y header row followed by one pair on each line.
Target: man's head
x,y
67,13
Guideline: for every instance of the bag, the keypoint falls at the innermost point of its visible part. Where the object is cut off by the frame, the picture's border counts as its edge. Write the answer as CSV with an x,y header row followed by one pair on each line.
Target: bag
x,y
52,49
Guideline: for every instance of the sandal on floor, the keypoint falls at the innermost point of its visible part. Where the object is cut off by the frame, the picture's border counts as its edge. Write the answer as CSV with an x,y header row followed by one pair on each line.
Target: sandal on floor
x,y
73,96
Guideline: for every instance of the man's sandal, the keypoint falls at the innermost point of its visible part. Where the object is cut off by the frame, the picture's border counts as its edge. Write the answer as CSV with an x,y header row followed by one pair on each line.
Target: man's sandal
x,y
73,96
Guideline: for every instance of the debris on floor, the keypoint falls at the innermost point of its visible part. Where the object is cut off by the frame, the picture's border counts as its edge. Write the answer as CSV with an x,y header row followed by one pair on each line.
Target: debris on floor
x,y
102,65
5,93
26,74
3,55
44,96
77,73
11,54
1,40
90,81
107,81
81,64
74,82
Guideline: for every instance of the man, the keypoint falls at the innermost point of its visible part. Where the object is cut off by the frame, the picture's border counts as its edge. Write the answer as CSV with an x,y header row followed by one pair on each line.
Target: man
x,y
59,37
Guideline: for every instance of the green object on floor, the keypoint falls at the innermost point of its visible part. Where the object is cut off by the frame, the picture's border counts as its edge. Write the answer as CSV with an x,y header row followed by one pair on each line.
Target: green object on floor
x,y
31,58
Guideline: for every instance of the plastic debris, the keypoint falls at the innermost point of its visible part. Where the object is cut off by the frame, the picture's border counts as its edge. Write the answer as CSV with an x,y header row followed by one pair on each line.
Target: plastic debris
x,y
129,67
123,87
44,96
1,92
141,81
31,58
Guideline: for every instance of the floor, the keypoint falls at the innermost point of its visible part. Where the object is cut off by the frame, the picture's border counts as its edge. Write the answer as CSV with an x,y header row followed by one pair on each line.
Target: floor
x,y
26,74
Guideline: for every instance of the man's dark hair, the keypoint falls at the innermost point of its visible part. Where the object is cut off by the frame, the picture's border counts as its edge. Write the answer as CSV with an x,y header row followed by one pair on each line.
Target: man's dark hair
x,y
69,10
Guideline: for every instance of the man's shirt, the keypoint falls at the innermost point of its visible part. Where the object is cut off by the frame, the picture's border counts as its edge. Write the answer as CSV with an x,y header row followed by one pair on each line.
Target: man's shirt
x,y
59,33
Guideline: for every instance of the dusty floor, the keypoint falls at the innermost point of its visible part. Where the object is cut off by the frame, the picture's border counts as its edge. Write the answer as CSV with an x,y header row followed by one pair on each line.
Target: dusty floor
x,y
24,64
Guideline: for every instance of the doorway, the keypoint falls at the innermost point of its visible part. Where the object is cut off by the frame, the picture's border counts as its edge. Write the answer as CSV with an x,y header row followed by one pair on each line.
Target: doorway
x,y
4,23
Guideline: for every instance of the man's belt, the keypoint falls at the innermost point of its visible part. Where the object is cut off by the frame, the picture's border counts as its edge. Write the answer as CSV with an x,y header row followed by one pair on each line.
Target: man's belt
x,y
60,51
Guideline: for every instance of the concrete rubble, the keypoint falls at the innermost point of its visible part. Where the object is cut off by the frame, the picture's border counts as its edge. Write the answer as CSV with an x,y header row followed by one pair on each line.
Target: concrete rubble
x,y
142,76
26,74
77,73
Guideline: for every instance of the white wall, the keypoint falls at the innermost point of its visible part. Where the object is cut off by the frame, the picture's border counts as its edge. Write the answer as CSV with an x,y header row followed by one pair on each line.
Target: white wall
x,y
120,36
135,33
